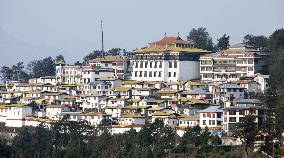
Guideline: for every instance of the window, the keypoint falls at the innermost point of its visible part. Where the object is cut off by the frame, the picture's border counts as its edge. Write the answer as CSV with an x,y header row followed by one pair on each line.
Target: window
x,y
106,65
160,66
234,90
150,64
170,64
232,119
136,64
140,73
232,112
160,74
204,122
135,73
175,64
106,87
145,73
219,122
155,73
229,90
146,64
219,115
141,64
250,68
175,74
169,74
150,74
204,115
202,68
242,112
155,66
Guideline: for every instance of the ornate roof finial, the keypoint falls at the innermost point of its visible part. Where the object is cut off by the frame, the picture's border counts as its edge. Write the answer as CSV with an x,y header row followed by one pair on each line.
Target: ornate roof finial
x,y
178,34
165,34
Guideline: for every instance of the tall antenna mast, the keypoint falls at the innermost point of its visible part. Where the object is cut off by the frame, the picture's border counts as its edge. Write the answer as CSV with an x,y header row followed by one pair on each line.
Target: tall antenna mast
x,y
102,38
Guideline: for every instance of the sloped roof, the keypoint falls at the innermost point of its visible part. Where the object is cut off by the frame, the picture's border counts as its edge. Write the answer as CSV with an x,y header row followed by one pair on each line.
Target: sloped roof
x,y
171,40
211,109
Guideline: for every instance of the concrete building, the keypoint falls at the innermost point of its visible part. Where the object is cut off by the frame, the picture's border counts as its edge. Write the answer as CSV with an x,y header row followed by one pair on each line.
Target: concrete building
x,y
231,64
170,59
212,117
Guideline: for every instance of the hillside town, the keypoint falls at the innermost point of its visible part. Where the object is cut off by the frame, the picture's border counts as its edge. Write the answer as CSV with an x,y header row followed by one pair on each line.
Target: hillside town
x,y
170,80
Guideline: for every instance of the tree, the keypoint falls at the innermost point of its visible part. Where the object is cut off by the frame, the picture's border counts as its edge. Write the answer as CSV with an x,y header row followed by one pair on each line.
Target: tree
x,y
276,80
247,130
201,38
5,150
95,54
44,67
259,42
59,58
41,141
15,73
22,143
6,73
223,42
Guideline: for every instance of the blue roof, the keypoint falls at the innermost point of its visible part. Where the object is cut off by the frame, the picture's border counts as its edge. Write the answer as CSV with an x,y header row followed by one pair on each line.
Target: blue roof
x,y
211,109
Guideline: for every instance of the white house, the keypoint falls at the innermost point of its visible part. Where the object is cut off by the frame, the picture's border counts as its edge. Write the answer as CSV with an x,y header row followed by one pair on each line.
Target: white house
x,y
131,119
16,114
212,117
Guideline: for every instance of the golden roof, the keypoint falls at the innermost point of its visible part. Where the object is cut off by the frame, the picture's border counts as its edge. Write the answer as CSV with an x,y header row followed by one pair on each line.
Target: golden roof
x,y
131,116
173,49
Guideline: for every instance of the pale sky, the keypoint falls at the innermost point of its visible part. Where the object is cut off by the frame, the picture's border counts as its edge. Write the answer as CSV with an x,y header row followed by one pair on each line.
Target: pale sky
x,y
34,29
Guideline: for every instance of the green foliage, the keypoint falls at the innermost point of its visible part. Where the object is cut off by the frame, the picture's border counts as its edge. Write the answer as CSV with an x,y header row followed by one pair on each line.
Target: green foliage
x,y
201,38
223,42
14,73
5,150
95,54
247,130
59,58
44,67
259,42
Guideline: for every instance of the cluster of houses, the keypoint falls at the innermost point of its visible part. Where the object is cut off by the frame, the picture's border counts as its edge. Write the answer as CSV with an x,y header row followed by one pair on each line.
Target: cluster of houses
x,y
168,80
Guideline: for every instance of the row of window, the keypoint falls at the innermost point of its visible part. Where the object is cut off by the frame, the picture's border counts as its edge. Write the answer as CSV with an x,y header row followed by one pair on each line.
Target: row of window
x,y
212,122
146,64
148,74
209,115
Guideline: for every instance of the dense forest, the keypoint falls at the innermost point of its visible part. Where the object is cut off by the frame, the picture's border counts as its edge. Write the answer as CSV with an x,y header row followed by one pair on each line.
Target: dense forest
x,y
155,140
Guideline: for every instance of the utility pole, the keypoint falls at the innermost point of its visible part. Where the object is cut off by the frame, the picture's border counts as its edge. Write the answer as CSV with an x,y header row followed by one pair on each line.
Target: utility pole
x,y
102,38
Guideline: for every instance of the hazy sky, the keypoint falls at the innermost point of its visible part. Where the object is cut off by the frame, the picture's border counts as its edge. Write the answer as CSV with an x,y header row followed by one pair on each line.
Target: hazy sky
x,y
34,29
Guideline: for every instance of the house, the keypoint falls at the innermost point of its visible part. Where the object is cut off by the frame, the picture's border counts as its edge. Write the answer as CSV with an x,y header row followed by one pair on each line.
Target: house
x,y
170,59
211,117
16,114
185,121
142,93
169,119
132,119
231,64
94,118
53,111
234,113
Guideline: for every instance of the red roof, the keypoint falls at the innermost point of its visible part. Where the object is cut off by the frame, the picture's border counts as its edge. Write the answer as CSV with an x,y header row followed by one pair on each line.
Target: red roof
x,y
171,40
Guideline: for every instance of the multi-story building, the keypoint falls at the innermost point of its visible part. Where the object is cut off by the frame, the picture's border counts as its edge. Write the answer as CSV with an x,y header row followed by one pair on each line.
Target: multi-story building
x,y
68,74
212,117
231,64
116,63
107,67
234,113
170,59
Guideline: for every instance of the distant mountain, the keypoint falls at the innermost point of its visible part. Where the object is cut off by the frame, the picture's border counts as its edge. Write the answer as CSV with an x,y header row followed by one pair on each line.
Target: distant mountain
x,y
13,50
